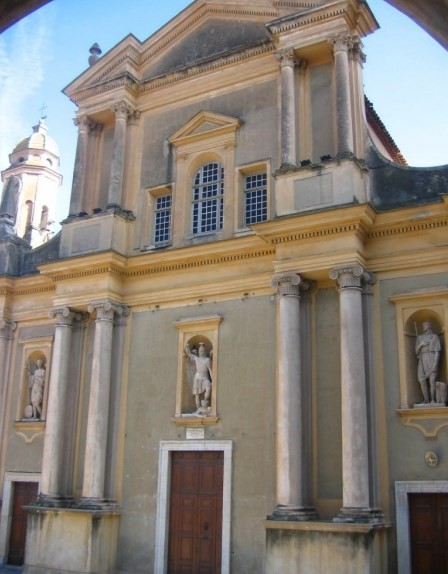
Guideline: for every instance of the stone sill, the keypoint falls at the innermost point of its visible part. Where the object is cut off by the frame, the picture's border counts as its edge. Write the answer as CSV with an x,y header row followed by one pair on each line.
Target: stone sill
x,y
326,526
60,510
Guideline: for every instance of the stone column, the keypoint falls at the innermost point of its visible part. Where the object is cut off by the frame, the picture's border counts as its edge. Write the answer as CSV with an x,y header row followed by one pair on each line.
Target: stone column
x,y
291,481
288,112
98,416
79,170
341,45
355,463
114,198
52,481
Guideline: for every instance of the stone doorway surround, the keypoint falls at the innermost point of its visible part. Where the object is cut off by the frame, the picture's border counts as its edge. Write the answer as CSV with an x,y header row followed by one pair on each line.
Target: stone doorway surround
x,y
5,517
402,490
162,519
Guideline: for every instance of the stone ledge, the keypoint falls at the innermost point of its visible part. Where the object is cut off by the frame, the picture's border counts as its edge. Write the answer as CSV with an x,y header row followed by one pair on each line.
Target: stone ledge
x,y
326,526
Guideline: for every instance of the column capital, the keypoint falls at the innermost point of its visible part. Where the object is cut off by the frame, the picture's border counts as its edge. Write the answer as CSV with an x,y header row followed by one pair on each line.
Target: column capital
x,y
343,42
83,123
352,276
286,57
7,328
65,316
122,110
289,285
106,310
355,51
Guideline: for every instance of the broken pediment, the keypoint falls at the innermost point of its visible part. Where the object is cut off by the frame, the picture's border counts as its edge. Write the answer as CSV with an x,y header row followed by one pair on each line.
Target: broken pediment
x,y
205,125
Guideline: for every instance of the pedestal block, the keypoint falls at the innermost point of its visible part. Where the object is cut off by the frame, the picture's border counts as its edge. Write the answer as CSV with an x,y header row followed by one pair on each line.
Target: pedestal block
x,y
323,547
70,540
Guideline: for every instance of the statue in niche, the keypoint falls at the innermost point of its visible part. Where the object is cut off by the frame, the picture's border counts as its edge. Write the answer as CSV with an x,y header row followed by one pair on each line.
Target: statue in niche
x,y
427,349
36,383
202,377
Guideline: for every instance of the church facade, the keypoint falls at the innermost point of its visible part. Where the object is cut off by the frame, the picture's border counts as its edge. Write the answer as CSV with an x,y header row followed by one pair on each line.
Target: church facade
x,y
232,356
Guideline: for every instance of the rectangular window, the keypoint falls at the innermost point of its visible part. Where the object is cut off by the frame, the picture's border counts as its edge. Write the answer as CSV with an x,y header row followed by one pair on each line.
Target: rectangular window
x,y
208,201
255,198
162,219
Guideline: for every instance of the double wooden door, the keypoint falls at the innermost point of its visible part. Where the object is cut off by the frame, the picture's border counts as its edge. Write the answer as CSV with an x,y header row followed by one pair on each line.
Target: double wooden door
x,y
428,514
195,522
24,493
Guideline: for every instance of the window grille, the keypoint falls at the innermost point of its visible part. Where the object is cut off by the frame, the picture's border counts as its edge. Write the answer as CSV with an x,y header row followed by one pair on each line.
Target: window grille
x,y
208,199
256,198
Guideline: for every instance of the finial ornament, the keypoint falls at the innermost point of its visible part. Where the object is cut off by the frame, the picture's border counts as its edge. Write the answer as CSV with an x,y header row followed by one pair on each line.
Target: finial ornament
x,y
95,52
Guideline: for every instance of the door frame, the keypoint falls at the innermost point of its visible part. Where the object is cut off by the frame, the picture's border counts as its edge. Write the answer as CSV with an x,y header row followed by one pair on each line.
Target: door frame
x,y
6,514
163,497
402,489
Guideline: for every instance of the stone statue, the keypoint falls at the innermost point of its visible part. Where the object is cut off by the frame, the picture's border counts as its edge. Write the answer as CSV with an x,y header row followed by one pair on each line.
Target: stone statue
x,y
36,385
427,349
202,380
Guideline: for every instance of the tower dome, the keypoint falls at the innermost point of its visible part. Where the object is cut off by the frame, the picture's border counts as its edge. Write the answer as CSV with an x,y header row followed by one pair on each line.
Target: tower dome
x,y
39,147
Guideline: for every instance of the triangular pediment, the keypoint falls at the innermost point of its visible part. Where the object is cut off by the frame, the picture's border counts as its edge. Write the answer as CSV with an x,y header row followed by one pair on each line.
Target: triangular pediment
x,y
203,31
204,125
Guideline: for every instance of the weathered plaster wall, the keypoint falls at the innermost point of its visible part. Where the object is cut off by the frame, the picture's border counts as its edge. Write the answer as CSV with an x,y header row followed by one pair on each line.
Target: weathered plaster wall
x,y
246,406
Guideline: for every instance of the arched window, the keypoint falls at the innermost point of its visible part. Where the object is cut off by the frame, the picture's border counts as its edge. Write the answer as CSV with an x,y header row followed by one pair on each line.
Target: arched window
x,y
208,199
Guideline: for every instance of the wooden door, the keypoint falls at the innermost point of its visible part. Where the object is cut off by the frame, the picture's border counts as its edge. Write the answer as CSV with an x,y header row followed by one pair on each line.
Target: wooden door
x,y
24,493
195,523
428,514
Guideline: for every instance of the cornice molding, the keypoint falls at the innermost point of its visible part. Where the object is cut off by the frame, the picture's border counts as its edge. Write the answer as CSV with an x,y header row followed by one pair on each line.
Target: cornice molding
x,y
137,87
409,227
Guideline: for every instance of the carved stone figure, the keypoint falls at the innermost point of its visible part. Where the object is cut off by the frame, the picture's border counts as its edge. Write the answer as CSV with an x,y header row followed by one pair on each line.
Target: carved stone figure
x,y
202,380
36,385
427,349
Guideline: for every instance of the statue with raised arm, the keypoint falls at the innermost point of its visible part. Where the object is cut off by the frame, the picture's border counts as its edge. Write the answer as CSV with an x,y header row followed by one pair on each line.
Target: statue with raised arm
x,y
427,349
36,384
202,380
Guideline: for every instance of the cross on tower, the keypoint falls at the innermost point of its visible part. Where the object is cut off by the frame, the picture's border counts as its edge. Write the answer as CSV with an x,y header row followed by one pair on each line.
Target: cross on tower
x,y
41,109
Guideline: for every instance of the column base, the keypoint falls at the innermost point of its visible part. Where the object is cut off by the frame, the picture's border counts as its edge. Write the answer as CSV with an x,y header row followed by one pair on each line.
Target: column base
x,y
71,541
316,547
88,503
53,501
359,515
293,513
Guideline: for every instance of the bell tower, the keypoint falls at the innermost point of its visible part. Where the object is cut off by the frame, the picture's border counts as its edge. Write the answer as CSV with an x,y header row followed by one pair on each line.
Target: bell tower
x,y
31,184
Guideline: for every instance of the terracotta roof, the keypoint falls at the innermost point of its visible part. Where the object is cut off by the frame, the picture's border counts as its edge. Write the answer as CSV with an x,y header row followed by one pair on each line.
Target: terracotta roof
x,y
381,132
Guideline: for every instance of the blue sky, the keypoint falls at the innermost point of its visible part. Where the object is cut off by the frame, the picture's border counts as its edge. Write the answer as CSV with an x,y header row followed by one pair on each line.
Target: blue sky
x,y
405,74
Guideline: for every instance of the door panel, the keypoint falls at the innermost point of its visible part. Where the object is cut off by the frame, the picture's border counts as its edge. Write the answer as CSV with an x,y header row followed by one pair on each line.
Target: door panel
x,y
195,522
24,493
428,514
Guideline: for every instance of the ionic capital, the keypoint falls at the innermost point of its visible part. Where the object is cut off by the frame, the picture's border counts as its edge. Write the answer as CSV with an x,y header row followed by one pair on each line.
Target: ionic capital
x,y
289,285
65,316
7,328
106,310
286,58
352,276
122,110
